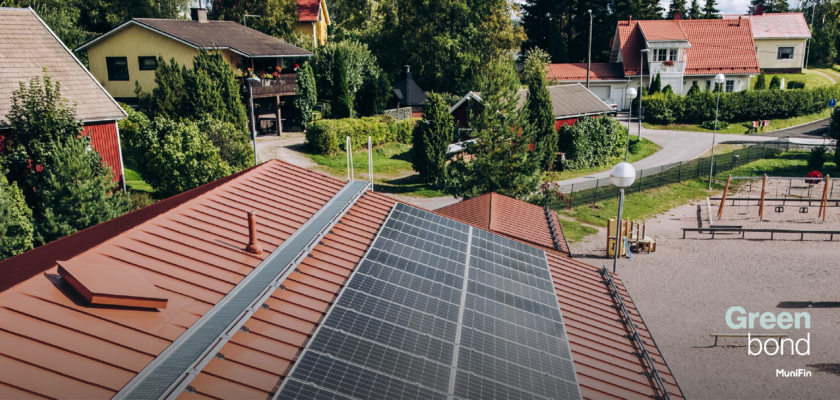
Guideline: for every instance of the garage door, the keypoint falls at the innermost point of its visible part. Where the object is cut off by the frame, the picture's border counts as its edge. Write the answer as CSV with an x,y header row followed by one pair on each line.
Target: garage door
x,y
603,92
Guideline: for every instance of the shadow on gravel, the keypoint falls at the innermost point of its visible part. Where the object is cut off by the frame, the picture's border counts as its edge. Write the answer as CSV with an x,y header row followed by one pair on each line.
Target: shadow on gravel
x,y
809,304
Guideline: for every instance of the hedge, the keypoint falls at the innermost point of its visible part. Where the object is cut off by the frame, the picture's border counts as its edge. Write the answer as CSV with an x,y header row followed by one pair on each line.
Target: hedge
x,y
327,136
591,142
749,105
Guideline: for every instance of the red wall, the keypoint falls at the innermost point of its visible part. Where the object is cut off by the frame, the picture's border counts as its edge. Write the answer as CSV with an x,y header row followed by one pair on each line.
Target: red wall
x,y
563,122
103,138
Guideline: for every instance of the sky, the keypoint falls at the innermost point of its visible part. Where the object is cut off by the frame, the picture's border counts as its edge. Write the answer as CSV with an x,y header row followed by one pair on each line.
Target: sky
x,y
730,6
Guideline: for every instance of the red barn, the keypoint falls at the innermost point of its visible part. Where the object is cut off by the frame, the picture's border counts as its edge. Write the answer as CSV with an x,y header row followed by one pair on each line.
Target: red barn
x,y
27,49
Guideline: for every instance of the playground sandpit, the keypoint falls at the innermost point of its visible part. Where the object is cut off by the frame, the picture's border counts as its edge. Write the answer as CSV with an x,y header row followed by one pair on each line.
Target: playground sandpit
x,y
685,287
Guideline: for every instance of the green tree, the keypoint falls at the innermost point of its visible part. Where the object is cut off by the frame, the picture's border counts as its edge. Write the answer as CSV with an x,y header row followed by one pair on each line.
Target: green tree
x,y
182,158
544,28
360,62
307,95
592,142
655,84
168,96
234,144
278,18
79,191
775,83
16,231
677,6
693,90
342,106
134,137
211,87
540,108
431,139
771,6
499,160
710,10
39,118
695,12
373,97
63,20
761,81
668,89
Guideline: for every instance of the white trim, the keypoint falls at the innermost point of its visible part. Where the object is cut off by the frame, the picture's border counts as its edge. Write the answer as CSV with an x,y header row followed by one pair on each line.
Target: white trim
x,y
314,35
470,95
793,58
119,146
80,64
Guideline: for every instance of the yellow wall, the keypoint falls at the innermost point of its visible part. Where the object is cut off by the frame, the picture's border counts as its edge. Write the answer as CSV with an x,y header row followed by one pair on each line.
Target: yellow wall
x,y
133,42
320,31
767,53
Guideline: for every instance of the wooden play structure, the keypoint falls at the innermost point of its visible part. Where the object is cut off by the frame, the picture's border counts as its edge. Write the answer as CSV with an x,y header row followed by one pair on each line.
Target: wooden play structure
x,y
632,236
813,179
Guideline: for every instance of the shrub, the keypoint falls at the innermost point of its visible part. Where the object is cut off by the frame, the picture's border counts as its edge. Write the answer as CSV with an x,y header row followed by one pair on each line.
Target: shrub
x,y
668,90
592,142
761,81
16,231
133,138
304,102
234,145
656,84
795,85
431,139
710,125
693,90
373,95
140,200
327,136
775,83
817,158
659,108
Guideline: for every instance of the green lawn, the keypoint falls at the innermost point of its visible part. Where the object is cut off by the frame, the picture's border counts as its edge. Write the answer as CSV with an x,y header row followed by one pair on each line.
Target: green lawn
x,y
638,151
134,182
811,79
738,128
392,170
574,231
828,71
791,163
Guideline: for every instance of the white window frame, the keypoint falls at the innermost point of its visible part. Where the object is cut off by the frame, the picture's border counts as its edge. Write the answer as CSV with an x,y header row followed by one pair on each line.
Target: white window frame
x,y
674,55
660,55
729,86
792,54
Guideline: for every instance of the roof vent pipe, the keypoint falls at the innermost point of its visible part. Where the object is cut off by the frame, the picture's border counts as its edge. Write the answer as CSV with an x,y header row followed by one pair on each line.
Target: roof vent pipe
x,y
253,246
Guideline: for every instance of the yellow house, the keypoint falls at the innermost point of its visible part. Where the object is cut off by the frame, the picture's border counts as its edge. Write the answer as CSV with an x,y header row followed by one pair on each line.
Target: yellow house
x,y
780,40
313,19
129,53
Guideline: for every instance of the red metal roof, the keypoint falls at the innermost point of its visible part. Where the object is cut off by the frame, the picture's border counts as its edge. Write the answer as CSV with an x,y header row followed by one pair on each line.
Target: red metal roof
x,y
308,10
577,72
191,248
776,25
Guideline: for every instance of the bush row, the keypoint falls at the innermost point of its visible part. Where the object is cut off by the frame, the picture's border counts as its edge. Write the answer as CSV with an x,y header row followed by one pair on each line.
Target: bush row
x,y
749,105
591,142
328,136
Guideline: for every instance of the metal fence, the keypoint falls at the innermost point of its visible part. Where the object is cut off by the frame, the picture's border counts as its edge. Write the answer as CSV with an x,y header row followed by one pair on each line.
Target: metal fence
x,y
399,113
595,190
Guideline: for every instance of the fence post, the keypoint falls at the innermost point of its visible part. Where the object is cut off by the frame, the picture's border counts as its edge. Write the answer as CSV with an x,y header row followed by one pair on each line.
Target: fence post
x,y
732,162
641,175
661,175
595,198
571,196
763,146
679,174
749,154
698,168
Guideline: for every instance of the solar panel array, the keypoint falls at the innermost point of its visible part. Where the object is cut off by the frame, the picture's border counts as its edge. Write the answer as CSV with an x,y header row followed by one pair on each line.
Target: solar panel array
x,y
439,310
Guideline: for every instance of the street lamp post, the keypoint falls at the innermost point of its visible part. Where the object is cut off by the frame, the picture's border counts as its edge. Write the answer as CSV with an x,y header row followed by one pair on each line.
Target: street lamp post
x,y
631,94
641,91
251,80
719,80
622,176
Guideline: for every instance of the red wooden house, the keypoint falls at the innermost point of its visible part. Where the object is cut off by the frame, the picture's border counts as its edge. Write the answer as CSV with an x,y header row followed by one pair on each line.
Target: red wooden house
x,y
27,49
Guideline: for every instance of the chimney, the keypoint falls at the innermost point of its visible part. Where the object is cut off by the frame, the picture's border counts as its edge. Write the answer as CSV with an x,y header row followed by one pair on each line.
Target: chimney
x,y
198,14
739,20
253,246
759,10
677,15
406,72
630,20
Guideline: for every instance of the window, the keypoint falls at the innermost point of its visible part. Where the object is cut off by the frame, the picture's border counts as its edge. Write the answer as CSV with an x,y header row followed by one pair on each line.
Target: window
x,y
708,85
661,54
117,68
147,63
784,53
730,86
674,55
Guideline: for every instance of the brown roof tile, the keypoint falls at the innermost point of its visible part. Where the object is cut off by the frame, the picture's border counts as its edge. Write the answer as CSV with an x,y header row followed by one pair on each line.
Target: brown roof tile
x,y
27,48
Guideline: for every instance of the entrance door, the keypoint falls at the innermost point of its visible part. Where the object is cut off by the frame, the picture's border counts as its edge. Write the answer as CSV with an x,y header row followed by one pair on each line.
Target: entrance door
x,y
618,97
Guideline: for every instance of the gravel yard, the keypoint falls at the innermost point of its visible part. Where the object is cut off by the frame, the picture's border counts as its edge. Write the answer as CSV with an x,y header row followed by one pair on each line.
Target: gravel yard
x,y
684,289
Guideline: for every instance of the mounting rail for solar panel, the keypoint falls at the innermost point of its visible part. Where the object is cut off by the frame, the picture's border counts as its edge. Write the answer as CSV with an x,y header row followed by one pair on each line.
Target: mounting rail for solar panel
x,y
634,336
171,372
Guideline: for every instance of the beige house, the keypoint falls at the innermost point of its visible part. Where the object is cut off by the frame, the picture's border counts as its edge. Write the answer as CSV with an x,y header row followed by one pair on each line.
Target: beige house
x,y
780,40
313,19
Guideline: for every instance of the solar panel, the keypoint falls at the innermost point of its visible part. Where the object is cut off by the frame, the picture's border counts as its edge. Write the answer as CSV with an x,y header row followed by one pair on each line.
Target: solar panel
x,y
437,310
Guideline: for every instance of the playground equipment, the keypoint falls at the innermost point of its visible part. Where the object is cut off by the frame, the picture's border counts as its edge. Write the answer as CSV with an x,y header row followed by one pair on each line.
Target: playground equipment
x,y
632,236
812,179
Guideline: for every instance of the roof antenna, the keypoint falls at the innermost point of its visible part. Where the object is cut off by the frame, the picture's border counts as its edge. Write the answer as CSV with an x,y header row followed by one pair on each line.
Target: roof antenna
x,y
253,246
370,162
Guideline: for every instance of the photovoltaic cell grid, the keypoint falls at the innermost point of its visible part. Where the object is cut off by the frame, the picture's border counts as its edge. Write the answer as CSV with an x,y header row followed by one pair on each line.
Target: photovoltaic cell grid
x,y
433,296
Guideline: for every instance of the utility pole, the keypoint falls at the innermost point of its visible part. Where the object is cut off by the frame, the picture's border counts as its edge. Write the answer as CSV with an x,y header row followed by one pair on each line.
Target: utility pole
x,y
808,51
589,55
641,89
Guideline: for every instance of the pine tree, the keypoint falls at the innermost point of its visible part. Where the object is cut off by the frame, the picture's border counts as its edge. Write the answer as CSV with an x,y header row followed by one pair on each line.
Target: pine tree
x,y
431,138
342,106
540,109
543,20
16,231
710,10
656,84
373,96
499,160
668,90
78,192
211,88
167,98
307,95
762,3
761,81
775,83
695,12
675,7
695,89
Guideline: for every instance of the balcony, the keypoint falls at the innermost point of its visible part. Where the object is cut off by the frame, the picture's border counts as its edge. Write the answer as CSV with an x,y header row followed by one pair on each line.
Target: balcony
x,y
283,85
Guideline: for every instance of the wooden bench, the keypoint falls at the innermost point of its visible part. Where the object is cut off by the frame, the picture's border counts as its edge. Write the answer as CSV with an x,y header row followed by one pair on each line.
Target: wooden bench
x,y
751,335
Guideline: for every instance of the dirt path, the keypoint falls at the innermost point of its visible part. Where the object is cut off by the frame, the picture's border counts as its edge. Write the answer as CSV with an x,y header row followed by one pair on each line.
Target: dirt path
x,y
286,148
832,78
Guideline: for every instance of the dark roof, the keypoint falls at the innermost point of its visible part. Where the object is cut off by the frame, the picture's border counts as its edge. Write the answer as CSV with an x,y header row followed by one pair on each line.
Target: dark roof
x,y
222,34
408,93
576,99
27,47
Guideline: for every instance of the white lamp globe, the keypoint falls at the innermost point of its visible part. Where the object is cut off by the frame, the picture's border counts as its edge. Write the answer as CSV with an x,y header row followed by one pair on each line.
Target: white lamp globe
x,y
623,175
631,93
719,79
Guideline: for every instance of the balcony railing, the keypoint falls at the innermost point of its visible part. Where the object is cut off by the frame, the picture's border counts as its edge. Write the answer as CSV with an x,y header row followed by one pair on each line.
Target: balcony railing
x,y
285,84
